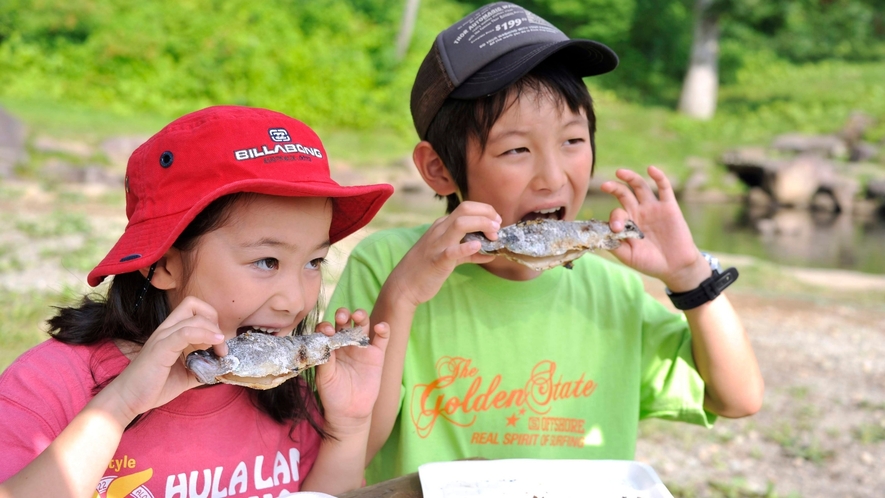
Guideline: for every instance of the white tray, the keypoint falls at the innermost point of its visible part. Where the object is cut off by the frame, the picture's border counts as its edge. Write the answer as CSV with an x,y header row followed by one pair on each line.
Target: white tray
x,y
541,479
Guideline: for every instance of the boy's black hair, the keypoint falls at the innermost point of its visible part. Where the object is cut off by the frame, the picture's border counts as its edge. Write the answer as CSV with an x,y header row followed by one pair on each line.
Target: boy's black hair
x,y
459,121
116,316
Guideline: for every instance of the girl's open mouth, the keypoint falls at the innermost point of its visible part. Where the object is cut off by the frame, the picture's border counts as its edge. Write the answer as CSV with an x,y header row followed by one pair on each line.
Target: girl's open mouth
x,y
257,330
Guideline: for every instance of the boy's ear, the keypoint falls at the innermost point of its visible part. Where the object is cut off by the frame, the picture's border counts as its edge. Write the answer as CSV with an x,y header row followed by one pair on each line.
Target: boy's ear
x,y
432,169
168,273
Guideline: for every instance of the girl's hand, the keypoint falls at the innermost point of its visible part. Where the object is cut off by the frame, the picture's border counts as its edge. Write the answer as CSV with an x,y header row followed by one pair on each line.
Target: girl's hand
x,y
422,271
157,375
349,382
668,251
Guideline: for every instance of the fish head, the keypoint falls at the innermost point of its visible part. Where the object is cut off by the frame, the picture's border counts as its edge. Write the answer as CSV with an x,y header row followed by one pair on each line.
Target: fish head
x,y
631,231
207,367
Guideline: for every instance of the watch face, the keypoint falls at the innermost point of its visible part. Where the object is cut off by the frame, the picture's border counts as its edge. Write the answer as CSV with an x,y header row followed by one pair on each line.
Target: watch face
x,y
714,262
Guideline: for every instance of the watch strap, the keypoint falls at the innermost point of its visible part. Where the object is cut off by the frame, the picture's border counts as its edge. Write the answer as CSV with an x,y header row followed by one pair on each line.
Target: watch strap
x,y
704,293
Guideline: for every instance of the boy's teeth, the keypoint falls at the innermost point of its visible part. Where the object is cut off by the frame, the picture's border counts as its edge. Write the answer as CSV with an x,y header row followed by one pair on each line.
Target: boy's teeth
x,y
266,330
547,211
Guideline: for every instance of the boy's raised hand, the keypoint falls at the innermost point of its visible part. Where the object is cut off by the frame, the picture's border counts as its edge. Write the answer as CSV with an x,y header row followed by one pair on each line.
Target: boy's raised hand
x,y
349,382
422,271
157,374
668,251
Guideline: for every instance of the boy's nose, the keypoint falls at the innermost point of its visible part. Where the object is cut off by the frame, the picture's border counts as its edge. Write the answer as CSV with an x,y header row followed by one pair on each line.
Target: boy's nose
x,y
549,175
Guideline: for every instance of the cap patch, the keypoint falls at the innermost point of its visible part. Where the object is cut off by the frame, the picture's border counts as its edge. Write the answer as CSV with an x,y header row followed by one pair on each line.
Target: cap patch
x,y
279,135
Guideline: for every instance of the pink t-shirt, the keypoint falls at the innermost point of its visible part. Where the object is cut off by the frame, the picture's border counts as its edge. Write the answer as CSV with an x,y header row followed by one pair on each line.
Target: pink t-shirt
x,y
210,442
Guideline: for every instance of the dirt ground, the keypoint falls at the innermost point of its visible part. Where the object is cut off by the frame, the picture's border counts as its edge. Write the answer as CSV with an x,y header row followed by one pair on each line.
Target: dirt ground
x,y
821,431
820,343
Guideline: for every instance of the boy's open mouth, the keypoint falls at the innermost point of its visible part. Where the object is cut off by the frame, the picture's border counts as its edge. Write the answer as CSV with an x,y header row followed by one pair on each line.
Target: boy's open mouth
x,y
557,213
256,330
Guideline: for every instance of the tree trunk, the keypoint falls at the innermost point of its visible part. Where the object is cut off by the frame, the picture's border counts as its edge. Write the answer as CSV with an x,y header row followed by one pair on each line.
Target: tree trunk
x,y
701,85
406,27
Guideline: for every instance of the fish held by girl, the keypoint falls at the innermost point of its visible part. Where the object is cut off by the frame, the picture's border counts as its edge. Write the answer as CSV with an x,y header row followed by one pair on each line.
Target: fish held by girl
x,y
264,361
544,244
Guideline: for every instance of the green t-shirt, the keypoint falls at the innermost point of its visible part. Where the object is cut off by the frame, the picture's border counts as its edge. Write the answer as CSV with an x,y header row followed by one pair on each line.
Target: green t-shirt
x,y
560,366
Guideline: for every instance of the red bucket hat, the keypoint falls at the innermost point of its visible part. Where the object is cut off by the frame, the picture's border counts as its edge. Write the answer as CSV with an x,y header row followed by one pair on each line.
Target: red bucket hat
x,y
217,151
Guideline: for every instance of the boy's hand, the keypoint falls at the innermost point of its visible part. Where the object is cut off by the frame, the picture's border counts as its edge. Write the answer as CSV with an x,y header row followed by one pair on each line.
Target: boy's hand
x,y
667,252
349,382
422,271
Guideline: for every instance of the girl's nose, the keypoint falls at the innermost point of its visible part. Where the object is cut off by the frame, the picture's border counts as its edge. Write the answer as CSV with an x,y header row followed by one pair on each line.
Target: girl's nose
x,y
289,297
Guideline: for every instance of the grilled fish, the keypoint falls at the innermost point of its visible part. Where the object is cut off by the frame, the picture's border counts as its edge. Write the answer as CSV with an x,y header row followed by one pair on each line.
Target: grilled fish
x,y
263,361
544,244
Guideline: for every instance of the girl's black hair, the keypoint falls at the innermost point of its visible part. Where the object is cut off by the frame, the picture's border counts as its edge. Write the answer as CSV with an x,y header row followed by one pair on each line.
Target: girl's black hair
x,y
458,121
116,316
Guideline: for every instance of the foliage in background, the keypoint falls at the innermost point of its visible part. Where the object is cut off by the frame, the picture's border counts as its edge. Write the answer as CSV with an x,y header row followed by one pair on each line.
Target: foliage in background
x,y
653,37
327,62
331,62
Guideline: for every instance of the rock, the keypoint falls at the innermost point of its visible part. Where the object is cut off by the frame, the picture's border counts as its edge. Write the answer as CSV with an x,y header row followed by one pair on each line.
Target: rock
x,y
820,145
55,169
863,151
12,143
759,197
54,145
852,133
876,189
746,156
824,201
797,181
118,149
844,190
807,180
58,170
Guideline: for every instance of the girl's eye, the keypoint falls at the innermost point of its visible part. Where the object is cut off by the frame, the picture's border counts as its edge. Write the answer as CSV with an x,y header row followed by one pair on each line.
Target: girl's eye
x,y
267,264
573,141
315,264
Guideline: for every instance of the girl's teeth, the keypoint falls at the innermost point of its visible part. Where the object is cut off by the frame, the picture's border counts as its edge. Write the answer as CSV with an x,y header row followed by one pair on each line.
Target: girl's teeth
x,y
547,211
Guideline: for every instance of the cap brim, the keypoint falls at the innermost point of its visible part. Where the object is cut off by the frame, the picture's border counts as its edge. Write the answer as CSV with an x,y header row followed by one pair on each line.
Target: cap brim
x,y
145,243
583,57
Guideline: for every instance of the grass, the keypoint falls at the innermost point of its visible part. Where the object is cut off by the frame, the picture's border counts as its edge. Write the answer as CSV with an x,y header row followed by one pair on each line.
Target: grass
x,y
869,433
762,278
796,437
23,324
69,120
57,224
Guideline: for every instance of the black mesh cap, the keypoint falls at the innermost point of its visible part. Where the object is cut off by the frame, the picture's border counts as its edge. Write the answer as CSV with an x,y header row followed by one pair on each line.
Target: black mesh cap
x,y
491,48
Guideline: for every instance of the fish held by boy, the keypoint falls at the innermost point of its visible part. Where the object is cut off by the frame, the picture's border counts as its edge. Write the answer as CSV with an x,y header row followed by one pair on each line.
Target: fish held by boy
x,y
264,361
544,244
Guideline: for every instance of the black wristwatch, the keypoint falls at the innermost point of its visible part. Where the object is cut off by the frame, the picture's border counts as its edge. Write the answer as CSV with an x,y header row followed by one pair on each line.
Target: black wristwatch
x,y
708,290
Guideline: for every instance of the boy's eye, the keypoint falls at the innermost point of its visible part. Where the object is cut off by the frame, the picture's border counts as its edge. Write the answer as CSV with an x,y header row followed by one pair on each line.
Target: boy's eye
x,y
518,150
573,141
267,264
315,264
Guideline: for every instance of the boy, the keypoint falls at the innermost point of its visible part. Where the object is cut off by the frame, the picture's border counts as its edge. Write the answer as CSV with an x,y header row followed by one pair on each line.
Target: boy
x,y
488,358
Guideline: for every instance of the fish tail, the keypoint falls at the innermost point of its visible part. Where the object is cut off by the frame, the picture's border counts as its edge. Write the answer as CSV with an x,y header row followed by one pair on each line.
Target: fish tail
x,y
349,337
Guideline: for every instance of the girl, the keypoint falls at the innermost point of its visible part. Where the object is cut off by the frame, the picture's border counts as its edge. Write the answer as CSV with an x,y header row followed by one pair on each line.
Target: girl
x,y
231,213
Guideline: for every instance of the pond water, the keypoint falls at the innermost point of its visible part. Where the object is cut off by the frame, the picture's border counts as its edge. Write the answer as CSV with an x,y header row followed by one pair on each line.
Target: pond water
x,y
790,237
